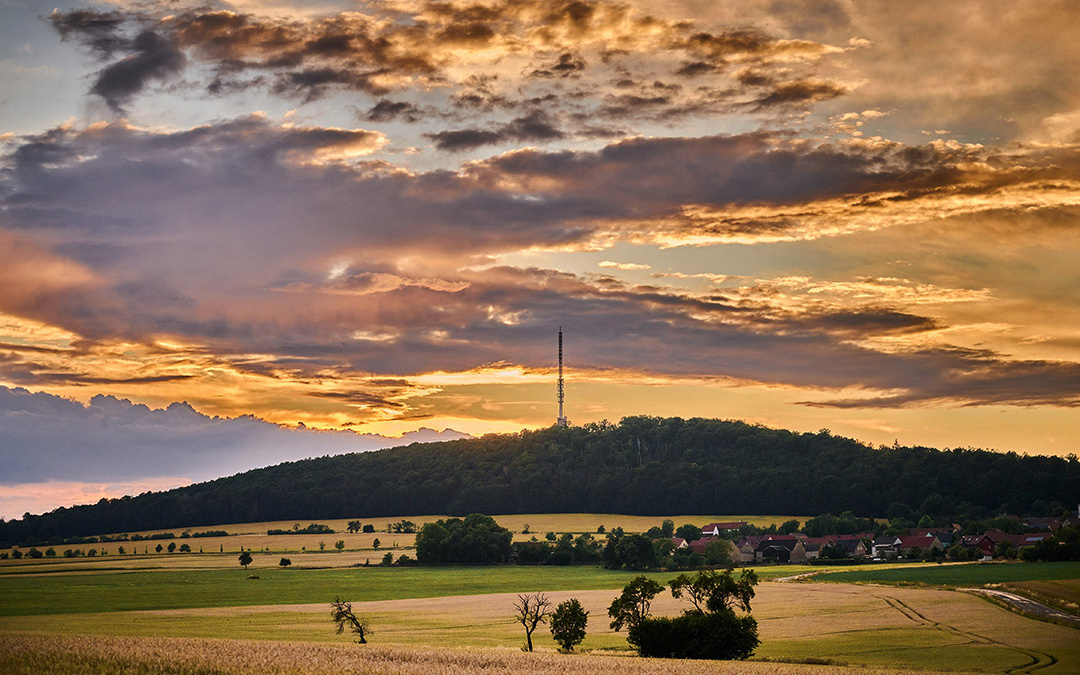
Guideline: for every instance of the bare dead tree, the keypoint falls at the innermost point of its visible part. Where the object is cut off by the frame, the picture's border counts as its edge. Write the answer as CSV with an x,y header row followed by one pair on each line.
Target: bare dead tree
x,y
532,610
343,616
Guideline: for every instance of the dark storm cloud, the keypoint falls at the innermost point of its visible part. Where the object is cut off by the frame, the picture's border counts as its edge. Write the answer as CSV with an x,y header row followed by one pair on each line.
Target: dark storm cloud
x,y
798,92
536,126
152,57
567,65
386,111
102,32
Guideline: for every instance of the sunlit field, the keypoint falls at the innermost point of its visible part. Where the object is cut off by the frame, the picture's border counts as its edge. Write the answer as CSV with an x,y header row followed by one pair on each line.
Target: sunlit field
x,y
360,547
118,614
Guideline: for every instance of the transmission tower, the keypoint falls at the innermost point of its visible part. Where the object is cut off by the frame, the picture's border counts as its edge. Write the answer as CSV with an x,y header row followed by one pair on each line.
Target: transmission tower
x,y
561,421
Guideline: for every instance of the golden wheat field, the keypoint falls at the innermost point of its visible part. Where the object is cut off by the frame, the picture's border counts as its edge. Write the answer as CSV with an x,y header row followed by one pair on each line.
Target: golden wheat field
x,y
62,655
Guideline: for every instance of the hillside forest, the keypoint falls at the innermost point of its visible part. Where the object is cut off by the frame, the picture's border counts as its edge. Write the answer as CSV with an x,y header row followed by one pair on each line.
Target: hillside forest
x,y
639,466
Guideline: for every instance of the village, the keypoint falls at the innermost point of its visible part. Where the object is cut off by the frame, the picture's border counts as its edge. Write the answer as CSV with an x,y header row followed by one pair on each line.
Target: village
x,y
914,544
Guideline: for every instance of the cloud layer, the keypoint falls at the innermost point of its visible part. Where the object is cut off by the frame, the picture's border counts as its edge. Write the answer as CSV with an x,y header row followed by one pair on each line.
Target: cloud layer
x,y
371,217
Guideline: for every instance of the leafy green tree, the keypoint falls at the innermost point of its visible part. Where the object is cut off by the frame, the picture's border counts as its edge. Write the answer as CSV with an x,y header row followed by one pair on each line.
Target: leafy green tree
x,y
185,548
284,562
635,552
51,552
369,529
714,591
667,528
353,526
375,544
172,546
532,610
719,552
568,623
711,630
789,526
388,559
244,558
476,539
342,614
689,532
632,606
340,544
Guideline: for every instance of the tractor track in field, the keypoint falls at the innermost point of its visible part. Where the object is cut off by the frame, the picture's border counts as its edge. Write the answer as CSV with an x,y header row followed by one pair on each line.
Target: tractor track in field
x,y
1038,660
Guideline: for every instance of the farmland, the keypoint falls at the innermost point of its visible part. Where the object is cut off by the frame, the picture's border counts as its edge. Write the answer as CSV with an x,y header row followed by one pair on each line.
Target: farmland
x,y
119,614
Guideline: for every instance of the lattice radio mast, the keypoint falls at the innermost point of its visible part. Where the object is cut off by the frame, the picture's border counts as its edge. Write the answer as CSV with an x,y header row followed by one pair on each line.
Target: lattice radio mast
x,y
561,421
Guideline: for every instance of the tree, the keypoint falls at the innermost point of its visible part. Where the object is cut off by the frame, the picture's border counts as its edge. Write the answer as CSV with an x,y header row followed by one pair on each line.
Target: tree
x,y
689,532
568,623
532,610
185,548
632,607
343,616
369,528
284,562
719,552
354,526
375,544
244,558
712,591
711,630
339,544
172,546
667,528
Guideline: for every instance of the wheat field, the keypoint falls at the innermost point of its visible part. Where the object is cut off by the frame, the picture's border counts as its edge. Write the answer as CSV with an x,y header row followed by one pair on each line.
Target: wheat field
x,y
62,655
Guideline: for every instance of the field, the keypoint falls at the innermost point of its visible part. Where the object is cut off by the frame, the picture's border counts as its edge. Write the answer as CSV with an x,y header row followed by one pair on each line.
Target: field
x,y
968,574
360,547
201,614
34,655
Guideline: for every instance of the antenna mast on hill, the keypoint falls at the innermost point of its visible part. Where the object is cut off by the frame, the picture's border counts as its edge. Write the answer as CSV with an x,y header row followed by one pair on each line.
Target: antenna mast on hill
x,y
561,421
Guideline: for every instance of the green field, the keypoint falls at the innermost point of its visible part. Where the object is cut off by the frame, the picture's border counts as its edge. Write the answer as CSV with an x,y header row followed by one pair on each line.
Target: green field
x,y
75,593
965,575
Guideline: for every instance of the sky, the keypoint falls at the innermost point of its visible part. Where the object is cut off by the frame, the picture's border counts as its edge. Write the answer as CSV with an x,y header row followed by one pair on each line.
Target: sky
x,y
239,233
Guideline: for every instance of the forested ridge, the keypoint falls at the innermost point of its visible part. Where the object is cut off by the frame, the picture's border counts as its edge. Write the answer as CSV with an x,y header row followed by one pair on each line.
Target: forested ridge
x,y
642,465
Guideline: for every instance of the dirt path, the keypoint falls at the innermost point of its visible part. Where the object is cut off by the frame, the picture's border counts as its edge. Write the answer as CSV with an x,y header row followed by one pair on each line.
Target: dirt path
x,y
1028,606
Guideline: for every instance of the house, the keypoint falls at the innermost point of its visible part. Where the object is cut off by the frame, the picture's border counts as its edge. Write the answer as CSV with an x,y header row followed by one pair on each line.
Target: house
x,y
747,547
679,542
699,545
775,548
886,548
918,545
717,529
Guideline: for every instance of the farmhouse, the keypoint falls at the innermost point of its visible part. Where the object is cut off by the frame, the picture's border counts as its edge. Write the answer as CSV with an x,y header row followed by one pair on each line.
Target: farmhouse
x,y
719,529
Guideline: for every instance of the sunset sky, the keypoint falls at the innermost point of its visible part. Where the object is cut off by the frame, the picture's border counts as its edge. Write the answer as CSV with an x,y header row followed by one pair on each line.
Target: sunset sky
x,y
233,233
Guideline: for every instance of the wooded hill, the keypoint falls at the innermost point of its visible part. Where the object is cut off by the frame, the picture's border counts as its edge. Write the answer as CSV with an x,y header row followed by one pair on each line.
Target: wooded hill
x,y
641,466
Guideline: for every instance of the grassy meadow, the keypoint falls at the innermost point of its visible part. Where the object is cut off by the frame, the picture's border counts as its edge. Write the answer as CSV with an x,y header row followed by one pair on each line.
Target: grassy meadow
x,y
202,613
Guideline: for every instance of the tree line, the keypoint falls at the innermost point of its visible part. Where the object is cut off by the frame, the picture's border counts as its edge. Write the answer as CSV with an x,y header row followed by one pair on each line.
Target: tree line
x,y
640,466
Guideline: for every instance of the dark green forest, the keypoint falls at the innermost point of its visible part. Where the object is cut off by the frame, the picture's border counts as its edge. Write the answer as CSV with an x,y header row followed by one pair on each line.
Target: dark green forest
x,y
642,466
